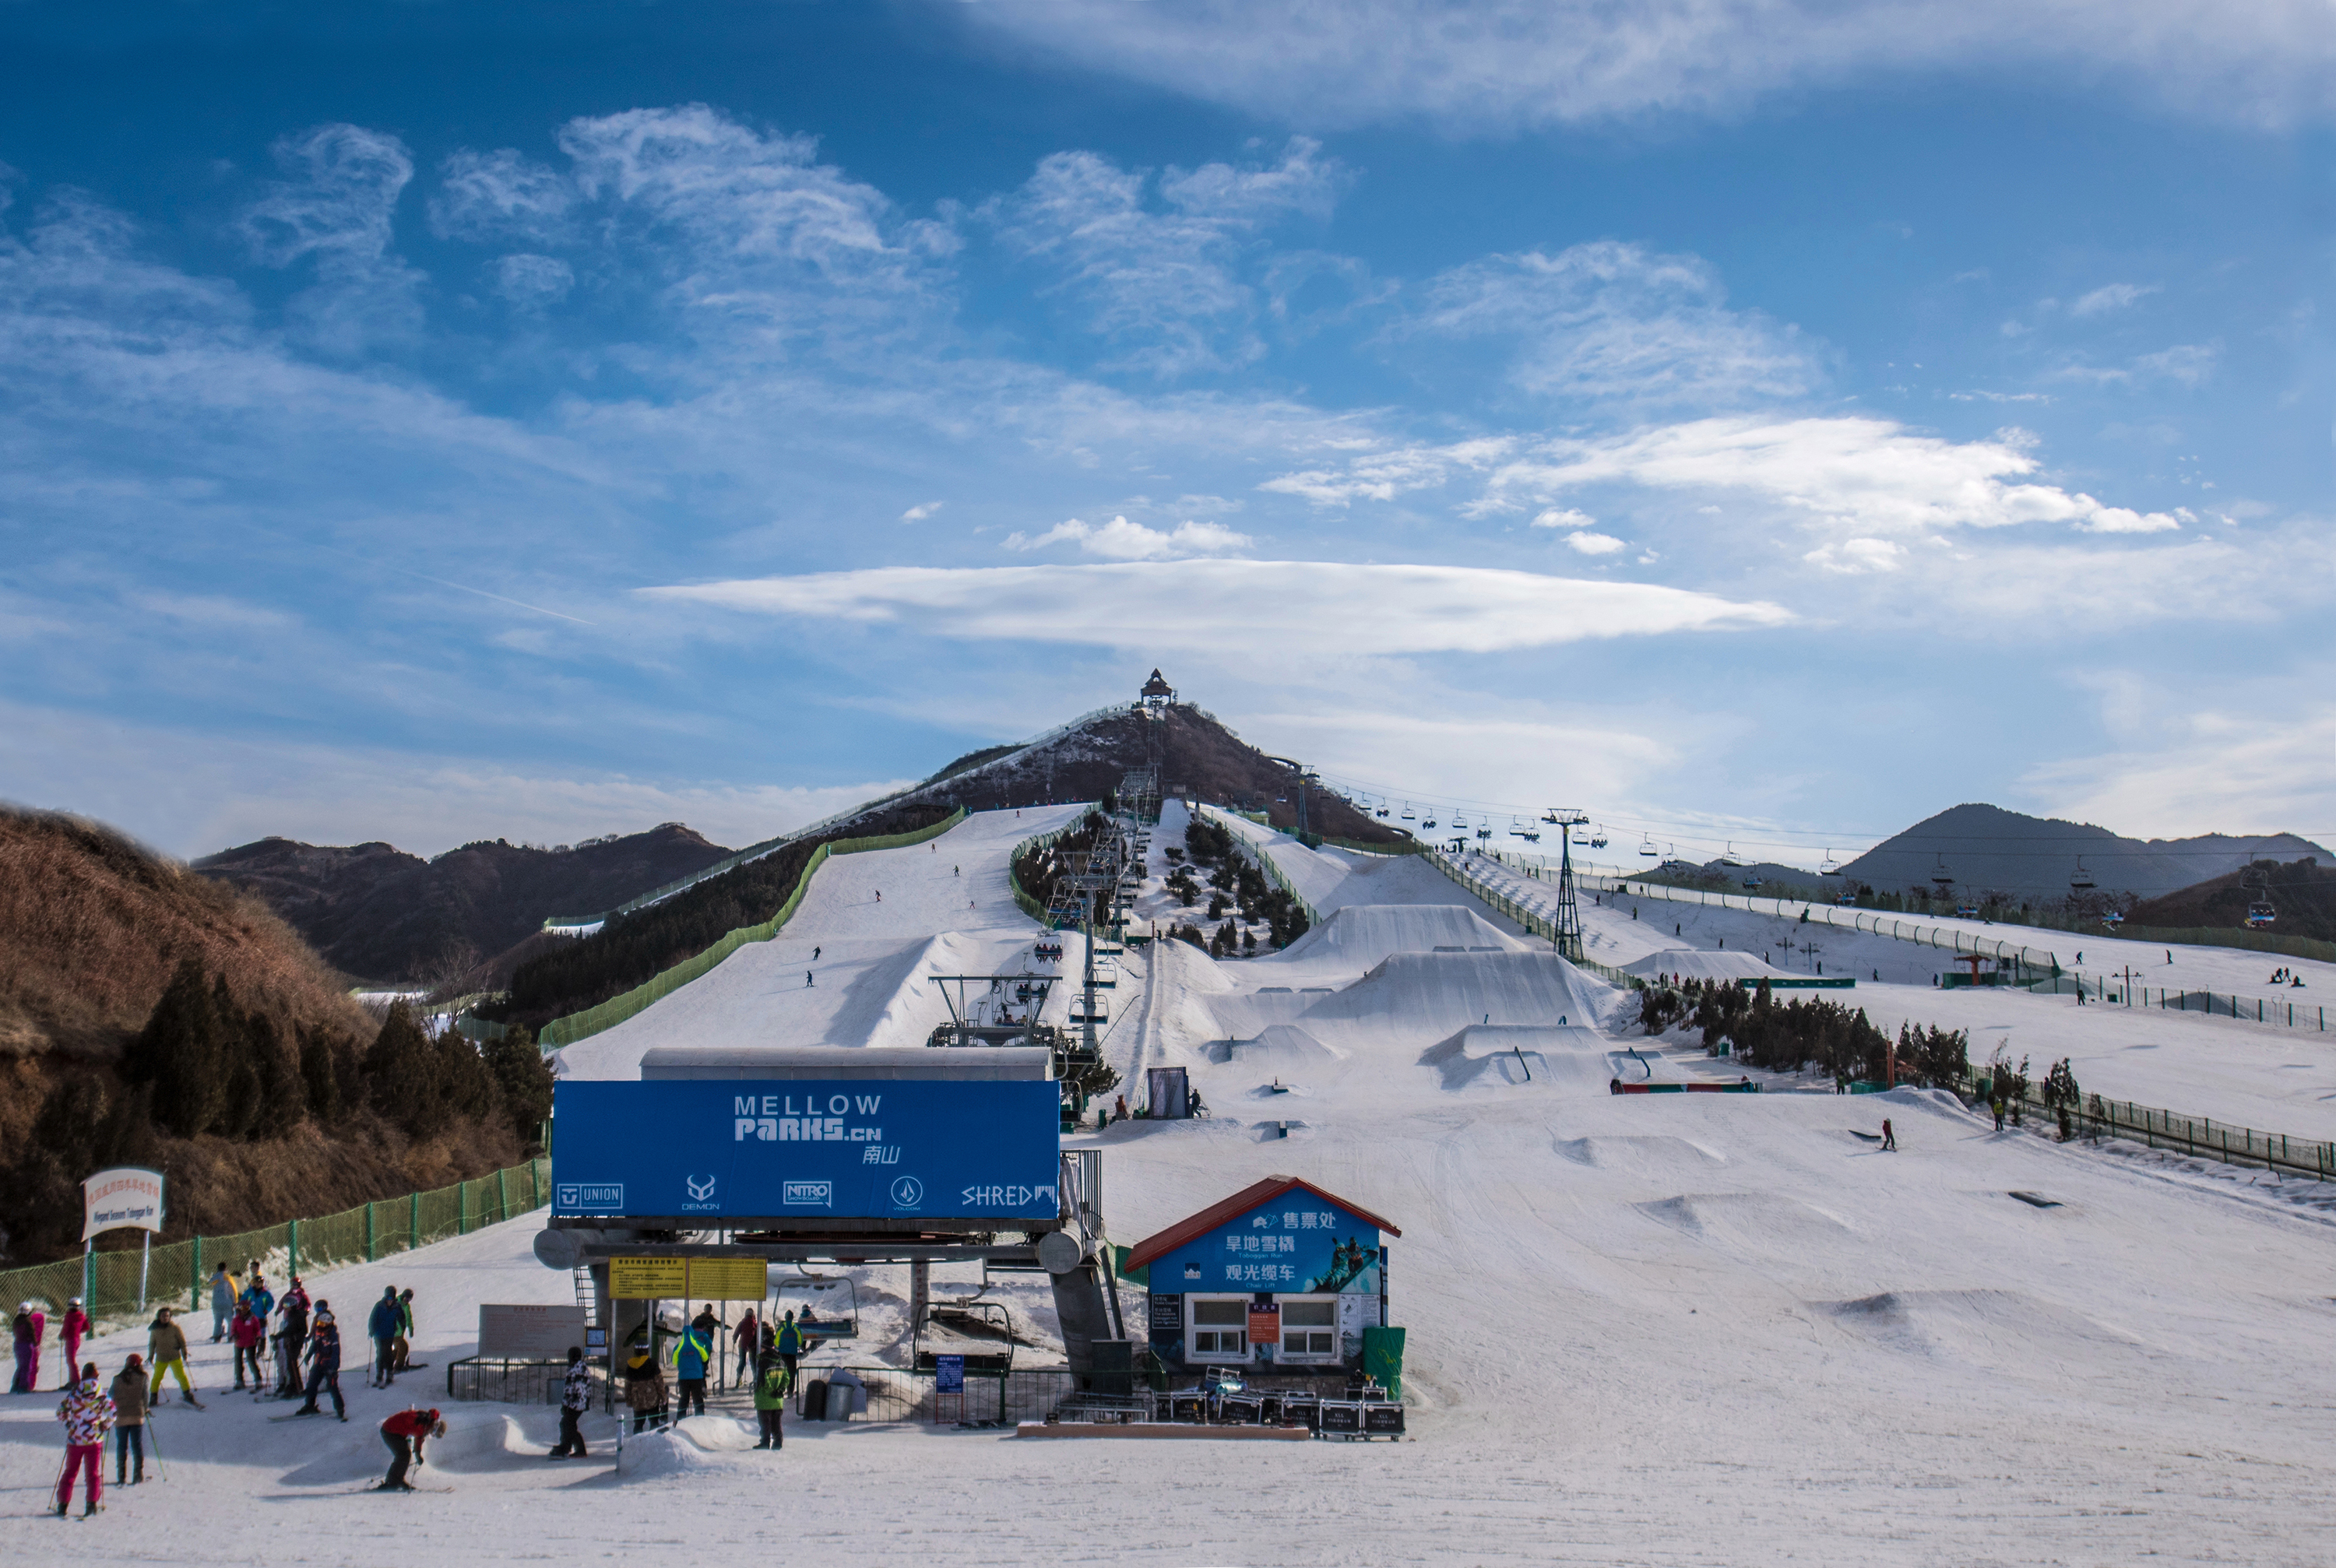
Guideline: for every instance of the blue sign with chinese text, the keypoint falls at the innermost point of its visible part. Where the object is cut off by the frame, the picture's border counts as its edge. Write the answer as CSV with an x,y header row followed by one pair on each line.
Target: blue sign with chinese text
x,y
725,1151
1296,1244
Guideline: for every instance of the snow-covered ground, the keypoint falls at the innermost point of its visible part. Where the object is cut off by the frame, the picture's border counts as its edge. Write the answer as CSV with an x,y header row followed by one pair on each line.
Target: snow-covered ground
x,y
1676,1329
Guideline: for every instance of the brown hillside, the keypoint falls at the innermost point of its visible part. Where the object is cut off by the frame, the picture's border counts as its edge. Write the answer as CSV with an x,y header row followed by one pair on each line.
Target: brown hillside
x,y
2302,892
93,930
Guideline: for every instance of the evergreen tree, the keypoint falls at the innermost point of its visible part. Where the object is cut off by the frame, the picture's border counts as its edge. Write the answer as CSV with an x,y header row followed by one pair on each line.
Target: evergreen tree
x,y
320,1075
239,1101
283,1099
400,1074
524,1080
465,1083
180,1053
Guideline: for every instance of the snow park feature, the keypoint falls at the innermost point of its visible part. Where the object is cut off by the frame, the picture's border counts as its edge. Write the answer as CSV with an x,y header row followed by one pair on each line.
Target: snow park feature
x,y
1823,1340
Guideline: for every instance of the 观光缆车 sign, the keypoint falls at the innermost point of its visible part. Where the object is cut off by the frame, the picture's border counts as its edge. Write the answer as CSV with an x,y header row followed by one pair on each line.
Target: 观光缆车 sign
x,y
818,1151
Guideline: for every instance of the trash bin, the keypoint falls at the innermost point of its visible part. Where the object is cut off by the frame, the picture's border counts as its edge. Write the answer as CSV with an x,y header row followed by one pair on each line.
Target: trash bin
x,y
1383,1358
814,1400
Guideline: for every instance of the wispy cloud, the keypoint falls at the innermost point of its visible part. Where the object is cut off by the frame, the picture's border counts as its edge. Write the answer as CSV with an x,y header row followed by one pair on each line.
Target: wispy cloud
x,y
2111,296
1209,604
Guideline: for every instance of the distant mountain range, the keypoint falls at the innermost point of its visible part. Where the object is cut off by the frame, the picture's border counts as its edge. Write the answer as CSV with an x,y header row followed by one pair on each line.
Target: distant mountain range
x,y
1988,850
378,913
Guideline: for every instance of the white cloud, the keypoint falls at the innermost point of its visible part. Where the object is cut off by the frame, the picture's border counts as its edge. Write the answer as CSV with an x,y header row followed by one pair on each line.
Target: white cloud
x,y
2205,767
1589,543
1564,517
501,195
2184,364
1382,473
921,510
1854,557
1496,65
2120,519
533,282
1166,286
335,209
2111,296
1120,540
1616,323
1259,606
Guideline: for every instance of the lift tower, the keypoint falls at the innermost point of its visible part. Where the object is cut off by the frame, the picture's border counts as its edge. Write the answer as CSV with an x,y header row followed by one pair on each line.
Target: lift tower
x,y
1565,819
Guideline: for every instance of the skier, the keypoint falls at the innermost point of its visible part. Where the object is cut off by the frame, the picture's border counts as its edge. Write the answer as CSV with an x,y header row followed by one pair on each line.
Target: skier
x,y
693,1357
72,1328
575,1398
807,979
324,1351
771,1381
957,870
166,1351
1889,1138
30,1327
880,899
1999,1112
404,1434
130,1423
245,1332
223,1295
381,1328
292,1340
87,1413
814,954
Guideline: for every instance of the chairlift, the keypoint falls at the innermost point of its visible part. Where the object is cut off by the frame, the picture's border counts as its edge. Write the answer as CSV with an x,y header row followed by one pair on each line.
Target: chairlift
x,y
2260,914
1409,815
1597,839
1460,821
1647,848
1750,882
2112,919
1383,811
1429,825
1531,837
2081,879
1967,910
831,1306
1485,831
1832,867
1516,828
1727,856
1941,878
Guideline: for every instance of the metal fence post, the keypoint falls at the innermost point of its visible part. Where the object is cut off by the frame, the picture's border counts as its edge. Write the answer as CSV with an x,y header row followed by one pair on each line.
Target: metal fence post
x,y
195,1277
502,1198
412,1221
370,1254
462,1208
292,1250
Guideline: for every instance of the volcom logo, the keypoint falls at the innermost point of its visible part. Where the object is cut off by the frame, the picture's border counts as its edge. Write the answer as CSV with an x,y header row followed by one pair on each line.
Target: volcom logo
x,y
701,1193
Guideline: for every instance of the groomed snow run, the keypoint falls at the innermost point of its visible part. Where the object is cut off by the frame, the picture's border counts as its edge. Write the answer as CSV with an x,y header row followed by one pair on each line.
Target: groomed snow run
x,y
1676,1330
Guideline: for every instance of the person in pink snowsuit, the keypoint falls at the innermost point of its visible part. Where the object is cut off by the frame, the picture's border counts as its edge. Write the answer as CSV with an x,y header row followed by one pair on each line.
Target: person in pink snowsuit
x,y
72,1328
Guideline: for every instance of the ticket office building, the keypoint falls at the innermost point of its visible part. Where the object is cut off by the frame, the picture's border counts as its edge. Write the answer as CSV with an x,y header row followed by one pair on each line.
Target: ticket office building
x,y
1282,1275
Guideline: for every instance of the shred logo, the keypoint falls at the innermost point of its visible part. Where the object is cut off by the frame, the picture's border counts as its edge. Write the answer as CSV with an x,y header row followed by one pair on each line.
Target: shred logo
x,y
821,1194
701,1194
1005,1197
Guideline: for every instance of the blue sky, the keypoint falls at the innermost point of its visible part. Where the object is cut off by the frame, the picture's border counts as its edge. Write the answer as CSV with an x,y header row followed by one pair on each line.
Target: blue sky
x,y
1758,427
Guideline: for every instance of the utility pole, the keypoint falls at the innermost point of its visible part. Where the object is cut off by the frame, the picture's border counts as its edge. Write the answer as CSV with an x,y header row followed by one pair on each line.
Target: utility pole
x,y
1565,819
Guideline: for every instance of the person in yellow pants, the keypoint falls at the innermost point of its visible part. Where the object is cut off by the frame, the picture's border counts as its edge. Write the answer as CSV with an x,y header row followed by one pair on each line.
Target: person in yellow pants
x,y
166,1350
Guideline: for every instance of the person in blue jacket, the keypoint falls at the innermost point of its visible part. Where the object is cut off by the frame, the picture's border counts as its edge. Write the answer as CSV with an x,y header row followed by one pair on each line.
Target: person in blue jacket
x,y
691,1357
381,1328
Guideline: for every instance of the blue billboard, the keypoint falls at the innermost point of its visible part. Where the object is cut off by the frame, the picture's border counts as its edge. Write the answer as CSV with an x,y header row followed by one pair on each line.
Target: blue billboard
x,y
1293,1244
811,1152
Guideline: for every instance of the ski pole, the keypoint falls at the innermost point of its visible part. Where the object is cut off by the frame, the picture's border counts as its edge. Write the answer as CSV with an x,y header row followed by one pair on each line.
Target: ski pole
x,y
161,1470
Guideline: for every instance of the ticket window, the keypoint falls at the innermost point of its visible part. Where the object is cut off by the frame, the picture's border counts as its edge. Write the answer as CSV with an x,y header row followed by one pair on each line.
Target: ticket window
x,y
1216,1329
1309,1328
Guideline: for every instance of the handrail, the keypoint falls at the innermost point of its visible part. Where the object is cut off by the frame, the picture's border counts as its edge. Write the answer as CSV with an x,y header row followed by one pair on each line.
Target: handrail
x,y
607,1015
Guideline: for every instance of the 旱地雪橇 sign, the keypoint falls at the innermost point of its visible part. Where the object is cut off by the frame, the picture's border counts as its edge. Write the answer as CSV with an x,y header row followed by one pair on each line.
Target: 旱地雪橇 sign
x,y
886,1149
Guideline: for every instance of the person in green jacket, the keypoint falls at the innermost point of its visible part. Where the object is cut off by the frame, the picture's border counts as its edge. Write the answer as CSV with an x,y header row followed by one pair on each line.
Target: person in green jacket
x,y
773,1379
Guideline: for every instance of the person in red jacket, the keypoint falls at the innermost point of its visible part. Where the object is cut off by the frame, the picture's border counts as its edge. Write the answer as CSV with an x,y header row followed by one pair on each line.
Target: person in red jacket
x,y
74,1327
404,1433
246,1331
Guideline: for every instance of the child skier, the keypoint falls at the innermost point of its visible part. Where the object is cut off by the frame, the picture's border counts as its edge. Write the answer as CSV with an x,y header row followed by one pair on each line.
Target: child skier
x,y
88,1414
404,1434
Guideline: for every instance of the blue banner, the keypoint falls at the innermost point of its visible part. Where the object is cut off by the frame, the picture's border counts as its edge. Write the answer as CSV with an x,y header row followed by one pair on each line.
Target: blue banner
x,y
811,1152
1296,1244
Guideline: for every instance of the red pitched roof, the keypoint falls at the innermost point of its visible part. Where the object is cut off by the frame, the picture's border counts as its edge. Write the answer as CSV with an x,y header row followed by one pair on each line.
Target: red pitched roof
x,y
1241,1203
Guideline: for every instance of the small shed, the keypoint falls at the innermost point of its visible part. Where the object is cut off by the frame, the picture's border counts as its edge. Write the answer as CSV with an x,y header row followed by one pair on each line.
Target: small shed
x,y
1283,1275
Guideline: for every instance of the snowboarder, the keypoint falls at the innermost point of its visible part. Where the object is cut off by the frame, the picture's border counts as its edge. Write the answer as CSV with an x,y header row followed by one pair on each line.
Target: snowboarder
x,y
31,1327
771,1381
223,1294
575,1398
645,1390
381,1328
790,1341
324,1352
245,1332
807,979
1889,1138
814,954
87,1414
749,1340
402,1345
692,1358
166,1351
72,1328
404,1434
880,899
129,1396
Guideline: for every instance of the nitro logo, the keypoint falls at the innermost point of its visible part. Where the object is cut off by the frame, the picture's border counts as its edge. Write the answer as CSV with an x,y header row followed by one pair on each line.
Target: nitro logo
x,y
1009,1197
816,1195
585,1197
